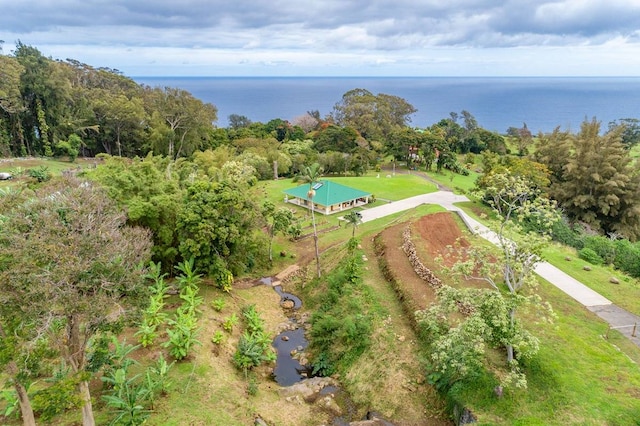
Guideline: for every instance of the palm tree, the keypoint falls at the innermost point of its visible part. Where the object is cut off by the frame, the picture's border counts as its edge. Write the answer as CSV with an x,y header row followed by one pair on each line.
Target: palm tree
x,y
310,175
354,219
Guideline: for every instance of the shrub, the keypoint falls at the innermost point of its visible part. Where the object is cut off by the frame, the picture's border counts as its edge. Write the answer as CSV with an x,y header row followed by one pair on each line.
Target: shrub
x,y
218,304
41,174
627,257
590,256
252,351
217,338
341,328
146,334
562,232
57,398
230,322
603,246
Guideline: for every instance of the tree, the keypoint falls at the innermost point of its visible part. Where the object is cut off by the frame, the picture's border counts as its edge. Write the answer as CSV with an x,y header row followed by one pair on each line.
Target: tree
x,y
492,313
336,138
374,117
11,105
354,219
217,226
631,130
151,192
119,116
514,200
188,119
523,138
595,180
238,121
45,91
277,221
72,266
311,175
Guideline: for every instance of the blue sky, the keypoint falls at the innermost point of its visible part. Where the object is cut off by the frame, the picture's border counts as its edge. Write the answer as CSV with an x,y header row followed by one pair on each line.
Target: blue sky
x,y
334,37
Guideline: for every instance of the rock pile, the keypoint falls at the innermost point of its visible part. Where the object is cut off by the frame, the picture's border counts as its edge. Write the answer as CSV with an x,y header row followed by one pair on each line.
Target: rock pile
x,y
422,271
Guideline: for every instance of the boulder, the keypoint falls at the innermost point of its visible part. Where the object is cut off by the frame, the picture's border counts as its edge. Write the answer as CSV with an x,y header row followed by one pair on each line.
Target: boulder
x,y
614,280
586,267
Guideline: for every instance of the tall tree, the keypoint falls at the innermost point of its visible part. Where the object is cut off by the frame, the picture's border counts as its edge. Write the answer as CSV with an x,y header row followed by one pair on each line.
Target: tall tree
x,y
217,226
277,221
311,175
11,105
71,265
45,92
151,192
597,183
374,117
121,119
188,119
630,130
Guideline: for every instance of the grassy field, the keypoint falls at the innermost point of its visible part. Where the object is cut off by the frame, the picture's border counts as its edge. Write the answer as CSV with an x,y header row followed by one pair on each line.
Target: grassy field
x,y
626,294
458,183
19,167
393,188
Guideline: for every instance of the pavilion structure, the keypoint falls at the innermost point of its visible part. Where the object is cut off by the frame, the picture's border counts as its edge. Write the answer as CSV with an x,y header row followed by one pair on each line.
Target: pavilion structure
x,y
330,197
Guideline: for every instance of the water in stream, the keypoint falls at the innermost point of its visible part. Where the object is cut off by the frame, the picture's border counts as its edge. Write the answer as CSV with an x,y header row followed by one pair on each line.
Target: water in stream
x,y
289,344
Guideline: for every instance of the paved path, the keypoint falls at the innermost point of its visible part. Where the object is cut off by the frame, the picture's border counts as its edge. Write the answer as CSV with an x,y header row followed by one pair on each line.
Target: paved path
x,y
617,317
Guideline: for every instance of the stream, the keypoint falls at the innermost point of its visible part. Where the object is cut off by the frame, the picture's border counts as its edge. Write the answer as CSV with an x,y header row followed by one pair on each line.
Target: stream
x,y
291,343
292,365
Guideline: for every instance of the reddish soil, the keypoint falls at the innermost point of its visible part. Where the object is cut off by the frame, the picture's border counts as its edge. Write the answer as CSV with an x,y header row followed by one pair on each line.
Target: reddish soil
x,y
431,234
437,231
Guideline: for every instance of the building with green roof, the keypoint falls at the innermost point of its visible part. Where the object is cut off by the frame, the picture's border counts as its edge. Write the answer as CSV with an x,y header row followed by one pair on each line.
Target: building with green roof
x,y
330,197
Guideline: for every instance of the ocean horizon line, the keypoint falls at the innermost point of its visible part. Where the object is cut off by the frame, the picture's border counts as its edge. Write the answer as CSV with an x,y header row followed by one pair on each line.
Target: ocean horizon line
x,y
396,76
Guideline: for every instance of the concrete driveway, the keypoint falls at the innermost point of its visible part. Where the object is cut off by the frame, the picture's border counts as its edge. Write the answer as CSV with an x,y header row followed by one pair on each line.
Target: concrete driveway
x,y
617,317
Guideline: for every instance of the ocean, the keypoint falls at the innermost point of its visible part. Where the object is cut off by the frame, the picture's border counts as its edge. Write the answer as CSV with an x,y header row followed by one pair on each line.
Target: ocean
x,y
497,103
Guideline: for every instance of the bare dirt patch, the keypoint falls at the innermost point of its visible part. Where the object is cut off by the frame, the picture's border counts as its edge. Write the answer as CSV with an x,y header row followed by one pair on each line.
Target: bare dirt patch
x,y
437,232
432,235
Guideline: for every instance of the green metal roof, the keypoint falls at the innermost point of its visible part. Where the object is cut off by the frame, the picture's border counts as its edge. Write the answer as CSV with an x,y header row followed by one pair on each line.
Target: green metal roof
x,y
328,193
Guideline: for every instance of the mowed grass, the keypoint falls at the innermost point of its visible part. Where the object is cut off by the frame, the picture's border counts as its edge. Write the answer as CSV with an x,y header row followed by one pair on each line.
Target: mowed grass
x,y
393,188
459,184
626,294
577,378
19,167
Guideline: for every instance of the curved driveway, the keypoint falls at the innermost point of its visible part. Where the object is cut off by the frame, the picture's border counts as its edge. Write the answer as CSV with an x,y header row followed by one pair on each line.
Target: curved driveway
x,y
617,317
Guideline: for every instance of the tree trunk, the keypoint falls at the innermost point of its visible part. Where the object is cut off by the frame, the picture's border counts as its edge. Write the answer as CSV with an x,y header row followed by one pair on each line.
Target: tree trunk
x,y
512,319
28,419
87,408
76,359
315,239
270,248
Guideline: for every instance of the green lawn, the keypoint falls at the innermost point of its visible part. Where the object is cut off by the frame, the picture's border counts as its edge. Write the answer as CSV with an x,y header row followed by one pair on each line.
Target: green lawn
x,y
19,166
626,294
577,378
393,188
458,183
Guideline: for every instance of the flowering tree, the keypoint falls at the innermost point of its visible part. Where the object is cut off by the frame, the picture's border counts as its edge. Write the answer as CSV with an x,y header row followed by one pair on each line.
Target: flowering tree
x,y
490,314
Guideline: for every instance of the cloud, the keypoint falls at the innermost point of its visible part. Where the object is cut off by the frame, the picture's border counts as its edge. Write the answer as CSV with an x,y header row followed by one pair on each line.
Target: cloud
x,y
393,31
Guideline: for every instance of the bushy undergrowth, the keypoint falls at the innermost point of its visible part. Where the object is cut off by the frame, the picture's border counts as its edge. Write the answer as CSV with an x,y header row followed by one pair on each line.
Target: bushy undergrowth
x,y
597,249
342,324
